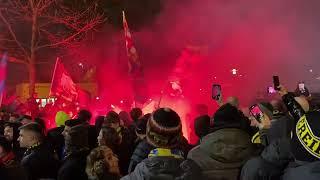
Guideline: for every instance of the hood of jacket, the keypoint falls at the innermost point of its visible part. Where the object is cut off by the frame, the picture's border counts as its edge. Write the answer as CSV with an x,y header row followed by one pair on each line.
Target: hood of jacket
x,y
224,148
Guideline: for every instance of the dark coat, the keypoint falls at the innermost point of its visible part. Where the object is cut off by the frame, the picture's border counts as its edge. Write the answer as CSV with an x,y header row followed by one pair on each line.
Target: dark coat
x,y
12,170
312,118
222,153
143,149
74,167
140,153
56,140
125,150
92,137
165,168
270,165
281,127
39,162
309,171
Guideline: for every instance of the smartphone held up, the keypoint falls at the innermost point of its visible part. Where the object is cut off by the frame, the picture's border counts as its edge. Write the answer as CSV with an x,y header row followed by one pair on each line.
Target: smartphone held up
x,y
216,91
276,83
256,112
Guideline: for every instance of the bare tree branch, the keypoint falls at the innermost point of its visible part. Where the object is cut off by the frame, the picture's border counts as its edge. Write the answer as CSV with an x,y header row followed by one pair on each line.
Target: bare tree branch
x,y
12,33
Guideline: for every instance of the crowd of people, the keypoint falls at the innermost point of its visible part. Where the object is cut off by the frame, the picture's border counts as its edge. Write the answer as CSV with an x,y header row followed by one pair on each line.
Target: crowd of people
x,y
284,144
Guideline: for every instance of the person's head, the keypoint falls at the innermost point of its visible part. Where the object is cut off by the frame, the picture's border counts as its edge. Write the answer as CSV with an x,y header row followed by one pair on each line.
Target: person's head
x,y
69,124
112,119
25,119
75,136
267,111
101,163
30,135
108,137
202,126
61,118
278,107
135,114
13,117
227,115
84,115
5,146
41,123
234,101
164,129
125,118
141,126
11,131
99,122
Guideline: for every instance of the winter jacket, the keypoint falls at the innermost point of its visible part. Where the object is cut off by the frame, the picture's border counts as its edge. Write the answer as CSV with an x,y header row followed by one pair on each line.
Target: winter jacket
x,y
270,164
39,162
124,150
10,168
309,171
74,166
143,149
92,137
302,122
165,168
56,139
222,153
281,127
139,154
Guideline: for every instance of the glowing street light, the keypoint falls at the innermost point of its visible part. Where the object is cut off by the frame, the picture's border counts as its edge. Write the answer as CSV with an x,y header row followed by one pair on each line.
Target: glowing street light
x,y
80,64
234,71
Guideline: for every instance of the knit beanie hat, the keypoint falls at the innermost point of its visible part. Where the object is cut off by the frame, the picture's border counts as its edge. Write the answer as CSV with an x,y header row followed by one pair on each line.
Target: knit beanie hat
x,y
305,144
266,108
164,128
77,137
61,118
226,115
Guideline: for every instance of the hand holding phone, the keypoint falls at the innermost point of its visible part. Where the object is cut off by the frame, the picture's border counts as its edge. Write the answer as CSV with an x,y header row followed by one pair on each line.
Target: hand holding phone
x,y
276,83
271,90
216,92
256,112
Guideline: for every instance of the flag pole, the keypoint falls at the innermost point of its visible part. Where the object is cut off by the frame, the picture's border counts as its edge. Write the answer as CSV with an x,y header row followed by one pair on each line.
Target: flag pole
x,y
3,63
54,73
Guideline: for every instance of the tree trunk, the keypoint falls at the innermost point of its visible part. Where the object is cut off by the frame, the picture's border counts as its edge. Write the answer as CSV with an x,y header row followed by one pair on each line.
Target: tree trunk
x,y
32,60
32,78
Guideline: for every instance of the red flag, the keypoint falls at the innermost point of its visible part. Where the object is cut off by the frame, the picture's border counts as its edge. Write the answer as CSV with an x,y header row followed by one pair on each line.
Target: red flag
x,y
133,62
62,85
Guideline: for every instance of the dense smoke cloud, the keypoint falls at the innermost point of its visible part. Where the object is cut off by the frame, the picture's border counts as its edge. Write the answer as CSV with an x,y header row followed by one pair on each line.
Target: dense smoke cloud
x,y
259,38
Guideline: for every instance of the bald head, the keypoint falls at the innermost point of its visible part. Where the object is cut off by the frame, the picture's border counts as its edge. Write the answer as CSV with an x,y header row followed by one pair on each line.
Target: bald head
x,y
234,101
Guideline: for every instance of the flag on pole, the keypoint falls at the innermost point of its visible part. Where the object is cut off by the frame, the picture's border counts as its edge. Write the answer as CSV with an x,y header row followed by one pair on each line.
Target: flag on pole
x,y
62,85
3,74
133,62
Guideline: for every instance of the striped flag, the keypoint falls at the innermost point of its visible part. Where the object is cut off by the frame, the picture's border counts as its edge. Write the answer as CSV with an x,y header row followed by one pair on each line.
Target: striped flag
x,y
3,75
133,62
